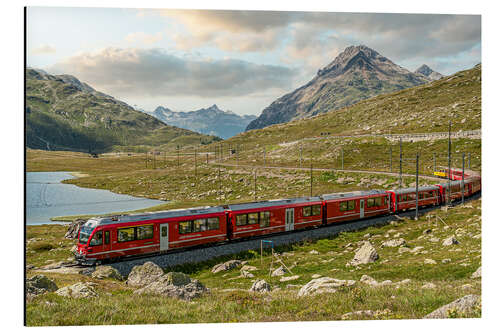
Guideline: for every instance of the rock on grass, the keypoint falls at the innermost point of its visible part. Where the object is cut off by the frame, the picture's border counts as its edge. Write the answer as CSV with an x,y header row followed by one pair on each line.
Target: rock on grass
x,y
260,286
450,241
323,285
461,307
38,285
104,272
78,290
477,273
143,275
175,284
226,266
365,255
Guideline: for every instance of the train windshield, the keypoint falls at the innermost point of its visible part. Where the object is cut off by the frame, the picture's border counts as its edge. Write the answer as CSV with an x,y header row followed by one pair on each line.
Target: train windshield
x,y
85,232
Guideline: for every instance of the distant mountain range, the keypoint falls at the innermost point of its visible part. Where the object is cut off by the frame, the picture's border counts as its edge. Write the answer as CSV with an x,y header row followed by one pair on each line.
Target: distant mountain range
x,y
427,71
63,113
356,74
210,121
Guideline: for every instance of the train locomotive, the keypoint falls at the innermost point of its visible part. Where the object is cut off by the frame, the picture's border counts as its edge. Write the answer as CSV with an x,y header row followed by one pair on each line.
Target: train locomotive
x,y
112,238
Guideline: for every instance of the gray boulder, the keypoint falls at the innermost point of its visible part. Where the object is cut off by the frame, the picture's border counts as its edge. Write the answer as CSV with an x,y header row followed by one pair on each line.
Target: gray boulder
x,y
364,255
450,241
462,307
39,284
175,284
279,271
106,272
143,275
226,266
289,278
323,285
78,290
260,286
394,243
74,228
477,273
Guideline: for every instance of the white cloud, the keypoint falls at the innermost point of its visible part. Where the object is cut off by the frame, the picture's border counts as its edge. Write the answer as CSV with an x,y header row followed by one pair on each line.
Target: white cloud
x,y
154,72
43,49
144,38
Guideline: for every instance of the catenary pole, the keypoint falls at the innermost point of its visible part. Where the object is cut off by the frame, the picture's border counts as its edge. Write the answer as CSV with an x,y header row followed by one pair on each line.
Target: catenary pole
x,y
400,162
416,185
449,162
463,172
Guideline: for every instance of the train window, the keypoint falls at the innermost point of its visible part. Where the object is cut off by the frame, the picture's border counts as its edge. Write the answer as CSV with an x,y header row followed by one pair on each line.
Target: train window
x,y
377,201
264,219
351,204
96,239
253,218
126,234
316,210
306,211
200,225
106,237
343,206
185,227
241,219
145,232
164,230
421,195
213,223
370,202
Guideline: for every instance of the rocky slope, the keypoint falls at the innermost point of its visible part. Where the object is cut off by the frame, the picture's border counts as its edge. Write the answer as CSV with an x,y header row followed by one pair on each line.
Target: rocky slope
x,y
422,109
211,121
429,72
356,74
63,113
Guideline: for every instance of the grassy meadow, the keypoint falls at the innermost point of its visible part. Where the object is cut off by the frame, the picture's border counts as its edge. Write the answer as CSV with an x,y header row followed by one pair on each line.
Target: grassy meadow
x,y
229,300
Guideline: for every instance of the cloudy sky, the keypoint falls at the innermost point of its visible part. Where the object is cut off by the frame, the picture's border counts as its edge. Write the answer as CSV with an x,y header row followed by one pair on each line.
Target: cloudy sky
x,y
240,60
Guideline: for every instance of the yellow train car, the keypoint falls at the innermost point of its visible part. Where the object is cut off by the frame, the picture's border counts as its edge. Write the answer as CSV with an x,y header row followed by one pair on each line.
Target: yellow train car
x,y
440,174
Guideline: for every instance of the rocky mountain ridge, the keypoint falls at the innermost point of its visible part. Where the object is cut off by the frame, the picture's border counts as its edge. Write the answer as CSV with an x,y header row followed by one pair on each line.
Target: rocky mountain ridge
x,y
429,72
63,113
357,73
210,121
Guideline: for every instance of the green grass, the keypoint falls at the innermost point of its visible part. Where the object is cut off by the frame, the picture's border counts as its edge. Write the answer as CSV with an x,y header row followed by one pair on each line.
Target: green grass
x,y
228,300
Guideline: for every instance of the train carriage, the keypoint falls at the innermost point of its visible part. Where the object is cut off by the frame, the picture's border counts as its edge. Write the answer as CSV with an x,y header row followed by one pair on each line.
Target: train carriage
x,y
355,205
264,217
127,235
453,190
406,198
104,238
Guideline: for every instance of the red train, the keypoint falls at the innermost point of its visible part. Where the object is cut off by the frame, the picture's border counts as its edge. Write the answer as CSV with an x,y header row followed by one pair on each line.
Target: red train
x,y
104,238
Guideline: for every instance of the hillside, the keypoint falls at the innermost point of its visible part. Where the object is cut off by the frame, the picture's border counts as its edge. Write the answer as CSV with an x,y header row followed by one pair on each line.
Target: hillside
x,y
422,109
356,74
63,113
210,121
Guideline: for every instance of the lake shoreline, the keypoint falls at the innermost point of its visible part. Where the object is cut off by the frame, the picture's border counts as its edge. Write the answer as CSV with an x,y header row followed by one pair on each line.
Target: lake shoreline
x,y
51,201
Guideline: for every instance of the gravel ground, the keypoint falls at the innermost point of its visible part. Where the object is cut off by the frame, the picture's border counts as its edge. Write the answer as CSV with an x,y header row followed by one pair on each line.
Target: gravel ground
x,y
203,254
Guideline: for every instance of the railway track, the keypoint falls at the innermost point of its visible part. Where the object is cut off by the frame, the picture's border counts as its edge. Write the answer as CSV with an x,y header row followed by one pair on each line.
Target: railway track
x,y
200,254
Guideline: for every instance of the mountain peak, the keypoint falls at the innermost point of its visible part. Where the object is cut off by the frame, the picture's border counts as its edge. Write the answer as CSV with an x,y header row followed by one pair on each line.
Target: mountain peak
x,y
424,69
357,73
356,57
428,72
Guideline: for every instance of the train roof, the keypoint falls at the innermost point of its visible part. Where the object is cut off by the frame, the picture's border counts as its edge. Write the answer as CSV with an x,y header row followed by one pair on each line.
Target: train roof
x,y
273,203
414,189
333,196
158,215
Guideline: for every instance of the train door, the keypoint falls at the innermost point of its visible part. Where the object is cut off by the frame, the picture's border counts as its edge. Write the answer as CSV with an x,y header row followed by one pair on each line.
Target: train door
x,y
164,237
361,208
107,241
289,219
